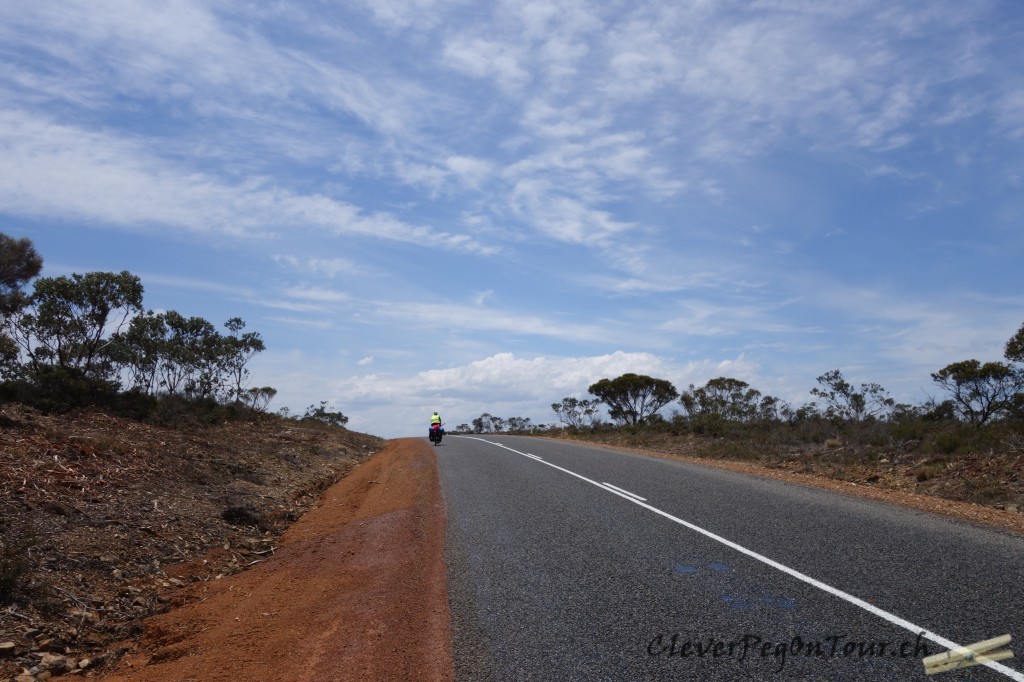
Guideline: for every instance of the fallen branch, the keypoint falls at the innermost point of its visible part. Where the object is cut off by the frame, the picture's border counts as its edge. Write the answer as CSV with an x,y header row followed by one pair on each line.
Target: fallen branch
x,y
11,612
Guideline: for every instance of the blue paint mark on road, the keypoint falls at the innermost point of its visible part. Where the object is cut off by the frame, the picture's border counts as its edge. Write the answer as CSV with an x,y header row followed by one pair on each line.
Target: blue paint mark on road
x,y
752,599
781,602
737,602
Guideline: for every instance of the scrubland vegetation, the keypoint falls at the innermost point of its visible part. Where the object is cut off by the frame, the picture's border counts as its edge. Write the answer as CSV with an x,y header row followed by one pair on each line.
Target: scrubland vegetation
x,y
967,444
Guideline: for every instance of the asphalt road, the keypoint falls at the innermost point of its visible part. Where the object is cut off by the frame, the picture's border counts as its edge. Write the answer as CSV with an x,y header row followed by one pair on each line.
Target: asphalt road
x,y
553,574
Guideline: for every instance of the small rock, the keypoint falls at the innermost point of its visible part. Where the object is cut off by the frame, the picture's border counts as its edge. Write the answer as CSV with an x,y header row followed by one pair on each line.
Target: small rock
x,y
84,663
54,662
25,677
86,614
56,646
1012,508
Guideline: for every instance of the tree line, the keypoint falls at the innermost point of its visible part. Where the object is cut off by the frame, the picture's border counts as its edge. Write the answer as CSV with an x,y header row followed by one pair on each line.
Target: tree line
x,y
488,423
87,339
977,393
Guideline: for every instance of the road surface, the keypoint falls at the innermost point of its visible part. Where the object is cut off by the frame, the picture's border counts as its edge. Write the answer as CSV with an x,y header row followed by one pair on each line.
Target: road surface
x,y
568,562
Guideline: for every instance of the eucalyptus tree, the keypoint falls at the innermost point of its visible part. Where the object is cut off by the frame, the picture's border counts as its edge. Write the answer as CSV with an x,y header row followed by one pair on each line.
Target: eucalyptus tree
x,y
67,322
980,391
633,398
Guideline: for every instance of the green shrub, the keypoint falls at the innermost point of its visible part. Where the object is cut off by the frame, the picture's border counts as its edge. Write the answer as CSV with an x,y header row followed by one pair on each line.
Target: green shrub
x,y
946,442
59,390
709,424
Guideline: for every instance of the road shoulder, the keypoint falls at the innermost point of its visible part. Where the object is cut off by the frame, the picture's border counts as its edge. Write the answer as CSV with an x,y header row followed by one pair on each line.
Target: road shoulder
x,y
356,591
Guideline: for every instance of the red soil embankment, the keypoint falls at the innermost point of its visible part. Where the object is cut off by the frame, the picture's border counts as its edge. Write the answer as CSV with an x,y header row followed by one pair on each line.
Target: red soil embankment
x,y
356,591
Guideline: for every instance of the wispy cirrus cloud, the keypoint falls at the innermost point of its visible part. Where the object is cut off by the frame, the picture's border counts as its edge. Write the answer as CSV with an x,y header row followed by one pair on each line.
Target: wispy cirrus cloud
x,y
468,318
322,267
566,178
493,60
61,171
697,317
1010,112
185,52
318,294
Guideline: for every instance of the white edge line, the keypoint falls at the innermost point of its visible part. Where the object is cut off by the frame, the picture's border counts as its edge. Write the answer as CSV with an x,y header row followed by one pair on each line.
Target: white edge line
x,y
623,490
845,596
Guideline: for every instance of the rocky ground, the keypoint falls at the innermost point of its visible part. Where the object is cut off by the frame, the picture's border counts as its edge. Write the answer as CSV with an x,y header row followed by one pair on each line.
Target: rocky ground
x,y
102,519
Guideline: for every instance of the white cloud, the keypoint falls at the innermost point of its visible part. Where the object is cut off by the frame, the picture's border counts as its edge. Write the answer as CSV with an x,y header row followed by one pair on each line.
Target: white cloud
x,y
191,283
327,267
522,44
419,14
562,217
292,306
482,58
58,171
471,171
1010,113
306,322
454,317
701,318
643,139
424,175
506,385
747,78
575,121
922,335
318,294
183,50
483,296
465,171
501,376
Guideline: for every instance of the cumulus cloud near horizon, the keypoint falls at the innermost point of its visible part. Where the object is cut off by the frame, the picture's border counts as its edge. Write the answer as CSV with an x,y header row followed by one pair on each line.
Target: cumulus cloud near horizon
x,y
507,385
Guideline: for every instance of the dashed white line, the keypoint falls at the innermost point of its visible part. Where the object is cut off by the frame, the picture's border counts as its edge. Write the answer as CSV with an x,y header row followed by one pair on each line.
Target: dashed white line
x,y
845,596
622,490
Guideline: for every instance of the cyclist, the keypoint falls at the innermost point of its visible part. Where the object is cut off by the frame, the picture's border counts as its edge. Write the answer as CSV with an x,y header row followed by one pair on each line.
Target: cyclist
x,y
435,419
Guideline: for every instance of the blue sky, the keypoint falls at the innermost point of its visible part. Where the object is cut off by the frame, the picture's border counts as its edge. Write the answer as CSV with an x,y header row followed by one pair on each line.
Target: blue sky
x,y
486,207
